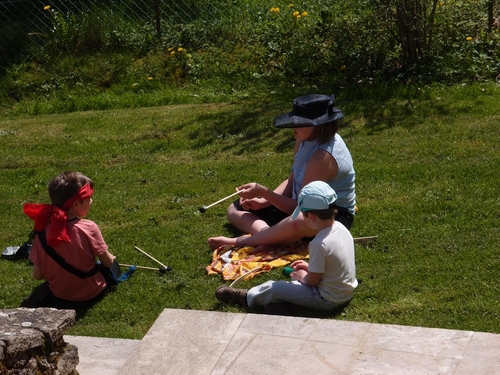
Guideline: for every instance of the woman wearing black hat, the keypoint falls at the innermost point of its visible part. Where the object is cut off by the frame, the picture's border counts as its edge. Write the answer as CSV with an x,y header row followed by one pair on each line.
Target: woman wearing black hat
x,y
320,154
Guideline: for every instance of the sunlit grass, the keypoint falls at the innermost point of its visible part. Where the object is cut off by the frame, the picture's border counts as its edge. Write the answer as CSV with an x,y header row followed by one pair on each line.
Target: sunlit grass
x,y
427,186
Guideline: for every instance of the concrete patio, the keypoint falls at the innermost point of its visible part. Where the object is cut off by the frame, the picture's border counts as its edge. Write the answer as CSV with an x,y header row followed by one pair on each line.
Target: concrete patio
x,y
204,342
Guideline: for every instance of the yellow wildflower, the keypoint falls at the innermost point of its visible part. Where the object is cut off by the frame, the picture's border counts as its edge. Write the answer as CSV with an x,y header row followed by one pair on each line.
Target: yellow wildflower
x,y
304,14
298,16
170,49
180,49
150,78
291,5
468,38
295,14
46,7
275,10
172,53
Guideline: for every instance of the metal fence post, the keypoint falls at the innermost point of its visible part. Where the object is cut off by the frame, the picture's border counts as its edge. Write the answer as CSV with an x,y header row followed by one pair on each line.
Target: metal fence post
x,y
490,15
157,18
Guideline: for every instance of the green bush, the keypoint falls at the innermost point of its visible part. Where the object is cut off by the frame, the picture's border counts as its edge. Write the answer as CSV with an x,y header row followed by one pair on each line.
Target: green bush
x,y
95,30
253,43
430,40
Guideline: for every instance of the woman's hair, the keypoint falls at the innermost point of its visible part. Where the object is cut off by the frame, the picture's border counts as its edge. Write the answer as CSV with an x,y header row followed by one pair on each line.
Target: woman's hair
x,y
324,132
66,186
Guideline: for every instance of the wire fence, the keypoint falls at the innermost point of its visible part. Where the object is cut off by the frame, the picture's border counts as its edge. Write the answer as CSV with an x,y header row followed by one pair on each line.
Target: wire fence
x,y
22,20
24,23
29,15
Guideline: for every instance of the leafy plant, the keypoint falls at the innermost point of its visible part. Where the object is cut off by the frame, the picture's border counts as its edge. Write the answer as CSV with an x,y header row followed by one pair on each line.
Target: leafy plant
x,y
430,36
111,49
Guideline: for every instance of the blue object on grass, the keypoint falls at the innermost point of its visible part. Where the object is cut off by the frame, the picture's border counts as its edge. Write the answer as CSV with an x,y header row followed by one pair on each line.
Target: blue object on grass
x,y
126,275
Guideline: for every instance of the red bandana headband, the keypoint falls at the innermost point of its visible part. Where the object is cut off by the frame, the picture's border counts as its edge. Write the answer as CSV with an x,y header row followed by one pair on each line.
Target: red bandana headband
x,y
43,214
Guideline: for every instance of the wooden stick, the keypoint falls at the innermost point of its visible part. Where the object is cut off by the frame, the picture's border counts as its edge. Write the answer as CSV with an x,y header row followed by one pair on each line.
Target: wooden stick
x,y
204,208
365,239
145,268
156,260
244,275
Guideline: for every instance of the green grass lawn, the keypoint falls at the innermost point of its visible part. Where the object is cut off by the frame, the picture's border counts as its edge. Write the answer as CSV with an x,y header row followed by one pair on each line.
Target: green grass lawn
x,y
427,185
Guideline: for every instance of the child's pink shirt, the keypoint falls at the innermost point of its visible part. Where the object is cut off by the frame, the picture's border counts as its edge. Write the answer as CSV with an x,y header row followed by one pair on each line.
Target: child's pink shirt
x,y
86,244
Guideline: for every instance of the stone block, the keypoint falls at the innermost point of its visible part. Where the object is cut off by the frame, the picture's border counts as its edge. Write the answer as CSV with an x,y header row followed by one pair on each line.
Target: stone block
x,y
31,342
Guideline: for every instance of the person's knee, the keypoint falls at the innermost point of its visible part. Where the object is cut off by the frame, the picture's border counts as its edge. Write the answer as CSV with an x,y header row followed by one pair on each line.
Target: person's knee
x,y
258,295
232,213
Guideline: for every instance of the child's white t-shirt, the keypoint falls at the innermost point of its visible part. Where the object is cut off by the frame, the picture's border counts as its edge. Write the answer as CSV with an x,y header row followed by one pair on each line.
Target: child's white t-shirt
x,y
331,253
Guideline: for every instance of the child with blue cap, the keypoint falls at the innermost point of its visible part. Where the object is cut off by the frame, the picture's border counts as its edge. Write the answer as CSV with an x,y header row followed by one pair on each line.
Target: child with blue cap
x,y
329,279
320,154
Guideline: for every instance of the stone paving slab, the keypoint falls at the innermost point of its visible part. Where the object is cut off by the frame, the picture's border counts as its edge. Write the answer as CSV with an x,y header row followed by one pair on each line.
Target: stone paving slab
x,y
201,342
184,342
101,356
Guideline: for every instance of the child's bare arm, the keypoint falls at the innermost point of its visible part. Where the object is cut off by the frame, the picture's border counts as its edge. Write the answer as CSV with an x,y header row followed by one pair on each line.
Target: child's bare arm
x,y
37,273
107,259
305,277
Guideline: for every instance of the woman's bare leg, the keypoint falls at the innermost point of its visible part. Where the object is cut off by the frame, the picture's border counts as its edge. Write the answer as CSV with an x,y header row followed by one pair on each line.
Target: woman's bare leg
x,y
245,221
285,232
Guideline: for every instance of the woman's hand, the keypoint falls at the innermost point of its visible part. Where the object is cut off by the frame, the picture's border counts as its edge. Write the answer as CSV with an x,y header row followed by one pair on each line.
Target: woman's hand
x,y
250,196
253,203
254,196
251,190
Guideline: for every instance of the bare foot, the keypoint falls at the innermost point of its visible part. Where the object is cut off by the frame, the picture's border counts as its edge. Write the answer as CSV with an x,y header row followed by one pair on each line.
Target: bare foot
x,y
215,242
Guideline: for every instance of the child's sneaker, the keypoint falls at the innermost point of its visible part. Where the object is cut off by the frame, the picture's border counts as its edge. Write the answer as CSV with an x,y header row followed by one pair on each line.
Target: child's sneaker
x,y
231,295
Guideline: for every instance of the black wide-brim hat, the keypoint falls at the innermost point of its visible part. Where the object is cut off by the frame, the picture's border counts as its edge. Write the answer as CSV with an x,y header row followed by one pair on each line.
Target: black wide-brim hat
x,y
310,110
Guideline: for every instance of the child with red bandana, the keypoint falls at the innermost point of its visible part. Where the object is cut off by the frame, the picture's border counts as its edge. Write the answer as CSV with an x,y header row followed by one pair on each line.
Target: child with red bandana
x,y
77,240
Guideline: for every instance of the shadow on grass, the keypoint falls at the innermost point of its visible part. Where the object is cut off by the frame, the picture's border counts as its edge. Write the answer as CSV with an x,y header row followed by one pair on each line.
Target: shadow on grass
x,y
249,128
233,232
42,297
288,309
243,130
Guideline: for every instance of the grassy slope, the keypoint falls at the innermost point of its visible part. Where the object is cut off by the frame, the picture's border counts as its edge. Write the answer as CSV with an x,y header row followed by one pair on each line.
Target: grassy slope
x,y
426,177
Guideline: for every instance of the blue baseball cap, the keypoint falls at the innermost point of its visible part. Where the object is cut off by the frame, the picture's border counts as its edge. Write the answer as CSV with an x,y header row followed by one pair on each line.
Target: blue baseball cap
x,y
316,195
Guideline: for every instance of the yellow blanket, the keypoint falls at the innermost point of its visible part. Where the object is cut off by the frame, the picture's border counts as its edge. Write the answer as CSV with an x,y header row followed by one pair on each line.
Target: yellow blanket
x,y
232,262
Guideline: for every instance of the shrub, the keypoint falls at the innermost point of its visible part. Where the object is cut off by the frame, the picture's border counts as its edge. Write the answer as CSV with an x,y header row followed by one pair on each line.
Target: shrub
x,y
253,43
431,39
